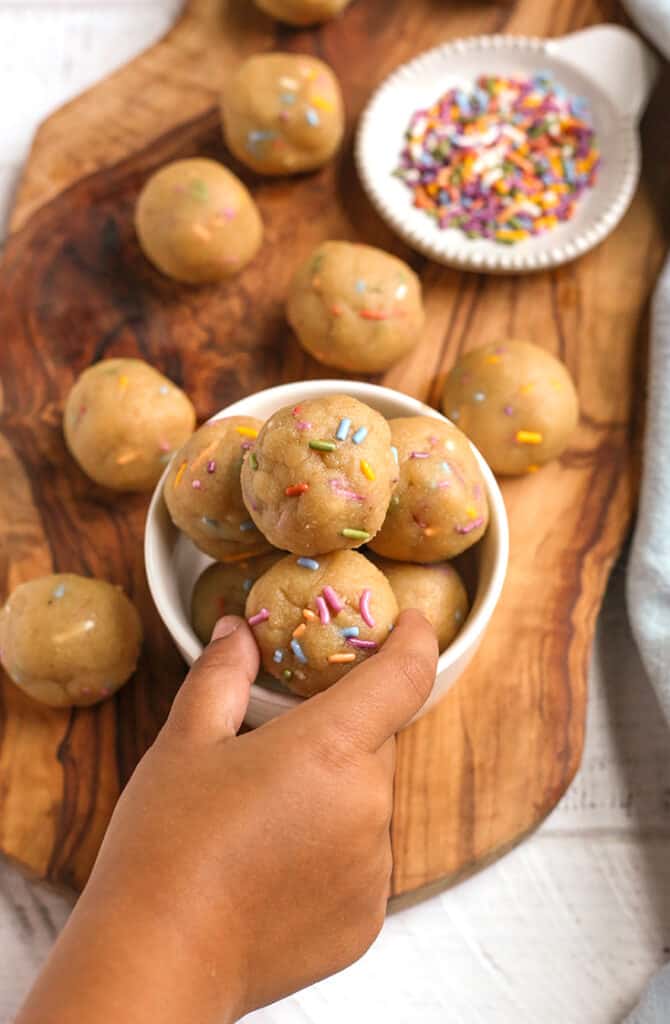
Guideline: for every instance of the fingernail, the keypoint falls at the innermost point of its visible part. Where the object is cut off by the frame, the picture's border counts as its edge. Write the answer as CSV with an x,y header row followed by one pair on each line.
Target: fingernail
x,y
225,627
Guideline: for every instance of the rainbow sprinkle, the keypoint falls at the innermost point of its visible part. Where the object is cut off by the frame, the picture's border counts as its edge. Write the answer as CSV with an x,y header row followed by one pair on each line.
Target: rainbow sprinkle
x,y
343,429
339,487
351,534
262,616
528,437
333,600
363,645
179,474
295,490
375,314
506,161
364,608
469,527
298,651
308,563
322,608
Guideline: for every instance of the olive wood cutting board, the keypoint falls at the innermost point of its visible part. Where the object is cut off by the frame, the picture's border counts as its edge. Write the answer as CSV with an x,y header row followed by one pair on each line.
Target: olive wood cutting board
x,y
487,765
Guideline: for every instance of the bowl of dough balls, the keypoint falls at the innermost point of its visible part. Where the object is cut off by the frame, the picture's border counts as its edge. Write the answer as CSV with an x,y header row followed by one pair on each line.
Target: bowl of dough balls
x,y
318,511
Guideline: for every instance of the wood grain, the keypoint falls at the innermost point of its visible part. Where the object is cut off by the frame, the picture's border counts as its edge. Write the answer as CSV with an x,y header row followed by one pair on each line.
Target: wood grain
x,y
485,767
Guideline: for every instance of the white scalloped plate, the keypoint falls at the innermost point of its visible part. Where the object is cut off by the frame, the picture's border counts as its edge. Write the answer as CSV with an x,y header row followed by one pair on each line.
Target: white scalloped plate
x,y
607,65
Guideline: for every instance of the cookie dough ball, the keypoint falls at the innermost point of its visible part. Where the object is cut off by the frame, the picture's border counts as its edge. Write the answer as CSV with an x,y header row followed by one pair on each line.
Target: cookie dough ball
x,y
197,223
436,590
203,493
122,422
315,619
516,401
69,641
321,476
302,12
223,590
355,307
439,507
283,113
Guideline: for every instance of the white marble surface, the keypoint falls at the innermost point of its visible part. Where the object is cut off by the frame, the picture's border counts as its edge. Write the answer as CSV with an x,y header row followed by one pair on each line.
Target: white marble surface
x,y
565,929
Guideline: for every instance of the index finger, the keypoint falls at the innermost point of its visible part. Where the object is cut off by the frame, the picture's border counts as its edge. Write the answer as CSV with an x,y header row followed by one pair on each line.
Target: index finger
x,y
377,699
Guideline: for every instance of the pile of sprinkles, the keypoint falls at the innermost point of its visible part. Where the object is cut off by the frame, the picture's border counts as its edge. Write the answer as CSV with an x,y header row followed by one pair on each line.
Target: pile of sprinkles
x,y
506,161
328,606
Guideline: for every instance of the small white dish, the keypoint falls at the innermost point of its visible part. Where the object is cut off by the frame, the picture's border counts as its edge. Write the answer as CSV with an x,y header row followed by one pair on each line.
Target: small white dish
x,y
173,563
607,65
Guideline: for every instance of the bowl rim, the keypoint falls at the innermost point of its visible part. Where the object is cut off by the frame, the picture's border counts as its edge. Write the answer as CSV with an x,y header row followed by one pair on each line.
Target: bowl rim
x,y
284,394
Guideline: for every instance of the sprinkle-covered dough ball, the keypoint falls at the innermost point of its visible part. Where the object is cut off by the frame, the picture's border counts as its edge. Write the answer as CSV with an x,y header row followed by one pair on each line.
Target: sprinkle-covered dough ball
x,y
223,590
302,12
355,307
315,619
516,402
321,475
122,422
439,507
196,222
69,641
436,590
283,113
203,493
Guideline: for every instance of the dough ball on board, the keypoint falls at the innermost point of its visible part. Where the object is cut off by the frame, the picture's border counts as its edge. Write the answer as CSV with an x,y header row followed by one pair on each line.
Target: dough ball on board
x,y
67,640
355,307
197,223
122,422
283,113
516,402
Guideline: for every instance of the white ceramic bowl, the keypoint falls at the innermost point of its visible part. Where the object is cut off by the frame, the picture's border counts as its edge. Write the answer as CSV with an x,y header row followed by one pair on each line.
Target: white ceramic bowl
x,y
173,563
608,65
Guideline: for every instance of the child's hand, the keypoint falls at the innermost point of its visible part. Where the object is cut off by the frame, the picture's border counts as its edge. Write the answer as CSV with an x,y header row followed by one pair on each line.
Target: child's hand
x,y
237,870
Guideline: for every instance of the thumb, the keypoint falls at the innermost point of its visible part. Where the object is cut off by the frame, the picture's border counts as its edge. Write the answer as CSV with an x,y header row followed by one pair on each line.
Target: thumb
x,y
382,695
213,699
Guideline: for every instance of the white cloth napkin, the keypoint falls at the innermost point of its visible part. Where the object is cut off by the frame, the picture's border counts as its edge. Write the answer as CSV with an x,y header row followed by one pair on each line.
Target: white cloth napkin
x,y
648,580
